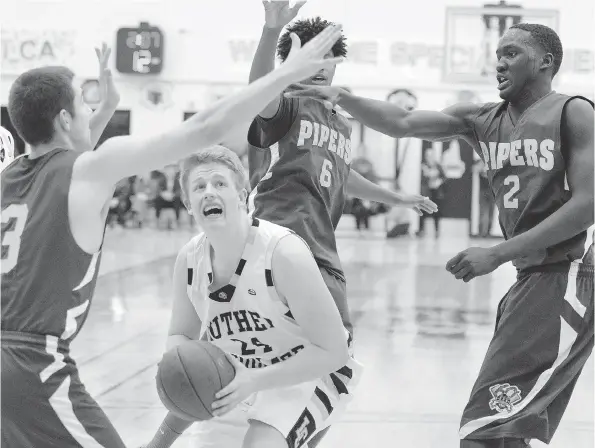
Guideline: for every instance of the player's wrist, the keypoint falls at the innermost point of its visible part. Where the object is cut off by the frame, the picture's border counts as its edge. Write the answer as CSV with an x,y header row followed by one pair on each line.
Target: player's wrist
x,y
272,30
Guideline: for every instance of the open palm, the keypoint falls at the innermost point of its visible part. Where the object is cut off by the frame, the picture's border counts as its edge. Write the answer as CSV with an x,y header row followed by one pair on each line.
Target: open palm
x,y
279,13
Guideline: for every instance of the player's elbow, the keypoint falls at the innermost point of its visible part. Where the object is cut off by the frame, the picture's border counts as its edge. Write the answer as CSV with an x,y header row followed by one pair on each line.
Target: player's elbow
x,y
585,208
337,352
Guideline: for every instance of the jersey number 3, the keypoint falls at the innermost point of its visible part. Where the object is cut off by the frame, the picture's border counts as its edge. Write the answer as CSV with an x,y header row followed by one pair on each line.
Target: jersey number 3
x,y
325,175
508,200
11,239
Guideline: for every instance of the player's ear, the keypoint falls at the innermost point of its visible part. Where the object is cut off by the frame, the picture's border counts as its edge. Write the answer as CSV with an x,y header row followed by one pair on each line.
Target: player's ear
x,y
63,120
547,61
243,196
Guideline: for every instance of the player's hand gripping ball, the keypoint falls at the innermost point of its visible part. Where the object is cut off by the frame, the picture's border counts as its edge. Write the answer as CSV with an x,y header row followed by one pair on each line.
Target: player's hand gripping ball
x,y
189,376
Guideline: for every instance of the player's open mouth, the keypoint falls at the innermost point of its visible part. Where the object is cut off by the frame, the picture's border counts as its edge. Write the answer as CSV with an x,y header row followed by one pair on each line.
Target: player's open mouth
x,y
212,211
319,79
503,82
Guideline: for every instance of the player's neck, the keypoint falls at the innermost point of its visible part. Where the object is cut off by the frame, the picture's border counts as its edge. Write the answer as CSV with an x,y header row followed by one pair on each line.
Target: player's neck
x,y
228,243
42,149
528,97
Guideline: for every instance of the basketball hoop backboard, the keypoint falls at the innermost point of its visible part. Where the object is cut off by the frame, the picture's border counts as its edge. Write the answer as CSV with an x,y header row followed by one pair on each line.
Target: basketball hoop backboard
x,y
471,38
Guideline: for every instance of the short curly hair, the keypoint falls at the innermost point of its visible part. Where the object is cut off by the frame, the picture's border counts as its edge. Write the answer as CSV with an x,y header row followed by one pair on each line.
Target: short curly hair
x,y
306,30
547,39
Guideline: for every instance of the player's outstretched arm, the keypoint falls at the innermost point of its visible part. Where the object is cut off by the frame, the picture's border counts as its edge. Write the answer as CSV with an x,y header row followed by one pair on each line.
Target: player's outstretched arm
x,y
277,15
360,187
110,98
392,120
121,157
298,280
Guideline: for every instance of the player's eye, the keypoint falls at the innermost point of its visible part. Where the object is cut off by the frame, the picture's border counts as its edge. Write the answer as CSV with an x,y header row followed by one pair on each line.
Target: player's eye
x,y
512,54
220,183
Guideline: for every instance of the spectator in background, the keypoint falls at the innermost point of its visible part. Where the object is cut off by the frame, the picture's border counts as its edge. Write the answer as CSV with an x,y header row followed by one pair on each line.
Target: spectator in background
x,y
169,194
120,206
142,198
486,200
432,185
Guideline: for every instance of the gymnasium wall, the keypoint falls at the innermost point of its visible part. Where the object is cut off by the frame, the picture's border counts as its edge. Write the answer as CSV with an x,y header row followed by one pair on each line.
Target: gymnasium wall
x,y
209,47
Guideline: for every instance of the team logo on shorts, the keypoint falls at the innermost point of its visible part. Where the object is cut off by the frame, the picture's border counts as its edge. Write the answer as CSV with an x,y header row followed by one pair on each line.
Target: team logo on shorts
x,y
222,296
504,397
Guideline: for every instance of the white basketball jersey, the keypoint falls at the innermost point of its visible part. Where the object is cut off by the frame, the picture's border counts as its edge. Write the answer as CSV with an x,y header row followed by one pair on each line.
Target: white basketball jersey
x,y
245,318
6,148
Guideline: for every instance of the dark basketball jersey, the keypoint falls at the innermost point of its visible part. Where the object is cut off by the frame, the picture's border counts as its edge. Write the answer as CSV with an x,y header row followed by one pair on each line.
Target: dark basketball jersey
x,y
526,168
299,165
47,279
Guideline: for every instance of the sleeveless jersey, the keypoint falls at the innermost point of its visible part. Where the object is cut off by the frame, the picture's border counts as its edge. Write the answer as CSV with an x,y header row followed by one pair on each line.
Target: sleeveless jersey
x,y
245,318
527,172
302,184
47,279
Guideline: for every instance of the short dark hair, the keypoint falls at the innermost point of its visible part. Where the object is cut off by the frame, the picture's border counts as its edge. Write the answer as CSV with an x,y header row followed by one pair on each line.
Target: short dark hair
x,y
36,97
547,38
306,30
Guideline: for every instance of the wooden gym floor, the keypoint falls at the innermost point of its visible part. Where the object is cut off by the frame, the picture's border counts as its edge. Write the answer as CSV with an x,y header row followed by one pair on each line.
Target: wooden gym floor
x,y
420,334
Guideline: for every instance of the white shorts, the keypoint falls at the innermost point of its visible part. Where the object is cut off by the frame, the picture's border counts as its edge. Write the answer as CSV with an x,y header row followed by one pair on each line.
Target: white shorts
x,y
297,412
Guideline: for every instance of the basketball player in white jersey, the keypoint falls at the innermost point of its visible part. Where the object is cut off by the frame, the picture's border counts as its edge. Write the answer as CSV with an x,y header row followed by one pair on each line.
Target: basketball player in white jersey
x,y
253,288
6,148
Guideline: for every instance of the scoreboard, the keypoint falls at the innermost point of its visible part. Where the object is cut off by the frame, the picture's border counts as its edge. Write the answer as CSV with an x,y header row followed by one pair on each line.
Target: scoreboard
x,y
139,50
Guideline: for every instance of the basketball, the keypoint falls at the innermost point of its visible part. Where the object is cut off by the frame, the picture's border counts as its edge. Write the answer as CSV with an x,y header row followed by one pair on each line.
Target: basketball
x,y
189,376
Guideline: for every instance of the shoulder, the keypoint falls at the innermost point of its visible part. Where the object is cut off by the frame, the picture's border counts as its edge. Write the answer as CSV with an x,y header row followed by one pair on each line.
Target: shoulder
x,y
290,251
577,110
470,111
191,246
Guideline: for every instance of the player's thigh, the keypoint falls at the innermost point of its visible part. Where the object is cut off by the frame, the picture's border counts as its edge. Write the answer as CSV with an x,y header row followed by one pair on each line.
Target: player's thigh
x,y
302,411
56,412
539,347
262,435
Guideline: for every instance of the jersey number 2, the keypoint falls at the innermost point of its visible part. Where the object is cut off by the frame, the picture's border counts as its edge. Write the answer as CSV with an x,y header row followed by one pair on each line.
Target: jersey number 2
x,y
508,200
325,175
11,239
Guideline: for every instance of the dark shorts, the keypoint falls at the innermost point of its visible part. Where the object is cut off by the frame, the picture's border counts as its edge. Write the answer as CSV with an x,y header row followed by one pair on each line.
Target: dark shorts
x,y
44,403
543,338
338,289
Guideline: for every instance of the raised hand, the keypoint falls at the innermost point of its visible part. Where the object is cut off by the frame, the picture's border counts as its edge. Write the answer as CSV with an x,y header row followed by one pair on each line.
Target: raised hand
x,y
303,62
109,93
277,14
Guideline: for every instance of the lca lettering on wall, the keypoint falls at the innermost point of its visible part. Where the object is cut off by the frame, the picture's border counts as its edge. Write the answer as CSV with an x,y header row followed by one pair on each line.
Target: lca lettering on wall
x,y
25,49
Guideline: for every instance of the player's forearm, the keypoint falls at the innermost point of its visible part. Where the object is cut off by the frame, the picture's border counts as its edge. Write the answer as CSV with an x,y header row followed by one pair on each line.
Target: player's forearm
x,y
308,364
360,187
264,59
572,218
173,340
99,120
379,115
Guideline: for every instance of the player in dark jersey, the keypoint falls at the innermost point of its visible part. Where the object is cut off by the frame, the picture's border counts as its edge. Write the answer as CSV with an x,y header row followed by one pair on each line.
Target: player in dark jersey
x,y
538,148
54,207
300,155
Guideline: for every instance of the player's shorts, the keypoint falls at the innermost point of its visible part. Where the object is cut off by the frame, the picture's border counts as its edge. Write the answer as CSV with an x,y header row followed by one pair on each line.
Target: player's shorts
x,y
543,338
298,412
338,289
44,403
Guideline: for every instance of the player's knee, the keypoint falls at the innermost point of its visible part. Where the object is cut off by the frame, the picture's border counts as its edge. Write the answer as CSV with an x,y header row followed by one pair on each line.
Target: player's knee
x,y
262,435
495,443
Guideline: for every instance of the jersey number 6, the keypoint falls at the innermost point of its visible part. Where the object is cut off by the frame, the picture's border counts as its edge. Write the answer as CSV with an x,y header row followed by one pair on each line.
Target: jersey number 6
x,y
325,175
